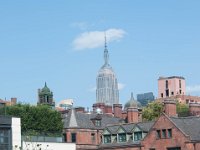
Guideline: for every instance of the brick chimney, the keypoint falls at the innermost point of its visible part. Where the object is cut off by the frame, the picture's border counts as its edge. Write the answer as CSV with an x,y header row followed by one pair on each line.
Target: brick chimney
x,y
132,115
194,109
80,109
13,101
170,107
108,109
117,108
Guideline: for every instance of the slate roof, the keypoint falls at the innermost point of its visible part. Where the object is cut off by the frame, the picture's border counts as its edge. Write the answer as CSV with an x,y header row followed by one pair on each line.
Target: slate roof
x,y
189,125
144,126
84,121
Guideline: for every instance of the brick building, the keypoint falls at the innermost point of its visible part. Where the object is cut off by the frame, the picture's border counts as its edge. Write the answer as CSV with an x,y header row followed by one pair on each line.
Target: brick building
x,y
174,87
125,136
85,129
12,101
173,133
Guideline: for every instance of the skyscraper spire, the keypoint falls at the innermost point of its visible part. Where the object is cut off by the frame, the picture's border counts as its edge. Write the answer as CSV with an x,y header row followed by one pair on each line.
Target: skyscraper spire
x,y
106,55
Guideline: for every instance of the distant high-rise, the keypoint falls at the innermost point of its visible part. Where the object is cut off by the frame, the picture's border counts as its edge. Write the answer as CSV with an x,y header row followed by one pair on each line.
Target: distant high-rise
x,y
107,87
145,98
45,96
171,86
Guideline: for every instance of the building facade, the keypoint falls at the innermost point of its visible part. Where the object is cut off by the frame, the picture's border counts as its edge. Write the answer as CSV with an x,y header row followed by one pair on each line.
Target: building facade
x,y
45,96
145,98
10,133
107,86
171,86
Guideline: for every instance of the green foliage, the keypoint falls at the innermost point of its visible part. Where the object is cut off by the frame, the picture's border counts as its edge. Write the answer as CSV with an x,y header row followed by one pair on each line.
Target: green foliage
x,y
152,111
182,109
36,120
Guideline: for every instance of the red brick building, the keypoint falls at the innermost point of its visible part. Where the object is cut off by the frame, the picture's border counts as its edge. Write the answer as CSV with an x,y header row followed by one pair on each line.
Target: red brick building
x,y
85,129
105,131
173,133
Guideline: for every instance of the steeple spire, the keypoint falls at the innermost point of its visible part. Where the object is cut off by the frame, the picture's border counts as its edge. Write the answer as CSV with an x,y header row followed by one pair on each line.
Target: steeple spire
x,y
106,55
45,85
132,98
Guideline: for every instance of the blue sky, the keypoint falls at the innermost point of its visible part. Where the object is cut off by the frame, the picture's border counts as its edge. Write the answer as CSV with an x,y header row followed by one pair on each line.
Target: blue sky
x,y
62,42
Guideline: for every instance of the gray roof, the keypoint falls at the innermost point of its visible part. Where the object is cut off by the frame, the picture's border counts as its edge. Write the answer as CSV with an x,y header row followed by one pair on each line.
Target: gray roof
x,y
146,126
128,127
189,125
84,121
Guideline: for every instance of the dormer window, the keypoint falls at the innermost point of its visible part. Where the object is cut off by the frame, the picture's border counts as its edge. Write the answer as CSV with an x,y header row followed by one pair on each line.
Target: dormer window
x,y
122,137
107,139
98,123
97,120
137,136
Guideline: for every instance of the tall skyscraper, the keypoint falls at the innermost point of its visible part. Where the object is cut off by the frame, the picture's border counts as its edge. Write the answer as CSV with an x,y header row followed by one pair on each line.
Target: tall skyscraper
x,y
107,88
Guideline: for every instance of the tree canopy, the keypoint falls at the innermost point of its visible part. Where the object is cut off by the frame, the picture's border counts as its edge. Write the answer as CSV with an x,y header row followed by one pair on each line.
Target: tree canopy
x,y
154,109
36,120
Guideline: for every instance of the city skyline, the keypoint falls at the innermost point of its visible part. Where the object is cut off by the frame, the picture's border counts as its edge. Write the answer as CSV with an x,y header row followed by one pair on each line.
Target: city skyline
x,y
62,43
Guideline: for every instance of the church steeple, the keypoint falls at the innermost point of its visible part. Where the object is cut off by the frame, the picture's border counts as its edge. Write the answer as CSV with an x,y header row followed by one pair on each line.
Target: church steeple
x,y
106,55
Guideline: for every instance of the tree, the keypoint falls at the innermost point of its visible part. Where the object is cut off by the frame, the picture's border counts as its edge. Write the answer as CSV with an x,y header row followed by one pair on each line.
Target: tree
x,y
182,109
36,120
152,111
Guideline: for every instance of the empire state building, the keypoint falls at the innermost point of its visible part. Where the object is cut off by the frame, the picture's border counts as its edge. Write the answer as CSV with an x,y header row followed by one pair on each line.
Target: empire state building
x,y
107,88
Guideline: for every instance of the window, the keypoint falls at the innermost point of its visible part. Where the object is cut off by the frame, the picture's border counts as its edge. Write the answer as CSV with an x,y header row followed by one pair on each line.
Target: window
x,y
167,93
137,136
158,134
65,137
98,123
122,137
107,138
179,83
180,91
169,133
73,137
5,138
164,133
161,95
93,136
166,82
152,149
172,93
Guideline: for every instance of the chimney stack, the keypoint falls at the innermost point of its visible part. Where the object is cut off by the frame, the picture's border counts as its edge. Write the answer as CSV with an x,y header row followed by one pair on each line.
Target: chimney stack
x,y
170,107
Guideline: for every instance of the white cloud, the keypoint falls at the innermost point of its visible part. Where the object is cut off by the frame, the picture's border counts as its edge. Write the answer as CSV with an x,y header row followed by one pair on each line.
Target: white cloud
x,y
193,89
80,25
94,39
121,86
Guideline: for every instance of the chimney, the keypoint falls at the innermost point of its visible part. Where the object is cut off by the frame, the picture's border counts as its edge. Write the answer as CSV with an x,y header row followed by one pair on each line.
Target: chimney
x,y
108,109
80,109
194,109
13,101
170,107
117,110
132,115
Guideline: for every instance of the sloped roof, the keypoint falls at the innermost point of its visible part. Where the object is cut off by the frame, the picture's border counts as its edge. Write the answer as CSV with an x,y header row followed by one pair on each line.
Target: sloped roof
x,y
144,126
2,101
84,121
189,125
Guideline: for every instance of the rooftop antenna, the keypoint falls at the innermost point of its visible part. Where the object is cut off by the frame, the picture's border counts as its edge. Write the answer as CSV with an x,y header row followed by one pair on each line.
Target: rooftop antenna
x,y
106,55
